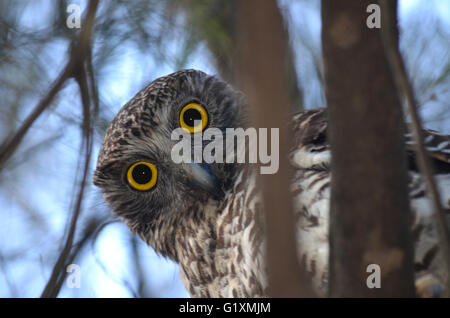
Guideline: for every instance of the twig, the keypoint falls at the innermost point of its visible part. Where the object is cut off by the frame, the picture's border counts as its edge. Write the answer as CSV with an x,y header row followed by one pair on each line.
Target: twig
x,y
389,33
9,146
79,55
88,234
52,288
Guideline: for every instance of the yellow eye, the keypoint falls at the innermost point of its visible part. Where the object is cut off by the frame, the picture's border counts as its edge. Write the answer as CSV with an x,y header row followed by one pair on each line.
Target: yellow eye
x,y
189,114
142,175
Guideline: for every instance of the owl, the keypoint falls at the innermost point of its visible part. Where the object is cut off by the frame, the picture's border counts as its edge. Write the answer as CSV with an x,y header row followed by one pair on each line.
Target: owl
x,y
208,218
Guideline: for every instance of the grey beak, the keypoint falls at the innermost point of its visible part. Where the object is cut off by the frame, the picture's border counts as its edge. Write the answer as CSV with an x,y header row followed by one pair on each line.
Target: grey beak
x,y
200,176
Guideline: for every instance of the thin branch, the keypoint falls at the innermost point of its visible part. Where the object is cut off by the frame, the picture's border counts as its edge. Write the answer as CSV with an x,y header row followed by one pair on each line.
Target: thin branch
x,y
79,55
389,34
88,234
24,156
52,288
10,145
76,59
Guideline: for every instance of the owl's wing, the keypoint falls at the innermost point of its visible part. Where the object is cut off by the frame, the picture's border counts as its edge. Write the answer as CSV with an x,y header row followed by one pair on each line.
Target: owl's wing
x,y
311,146
438,149
310,155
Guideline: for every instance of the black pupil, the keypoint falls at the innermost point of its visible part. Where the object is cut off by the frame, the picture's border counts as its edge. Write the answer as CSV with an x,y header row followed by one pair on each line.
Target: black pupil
x,y
190,116
142,174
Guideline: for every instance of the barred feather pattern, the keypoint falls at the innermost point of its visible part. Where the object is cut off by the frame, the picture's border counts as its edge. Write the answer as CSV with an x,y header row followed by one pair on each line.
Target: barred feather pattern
x,y
311,157
220,244
237,269
240,241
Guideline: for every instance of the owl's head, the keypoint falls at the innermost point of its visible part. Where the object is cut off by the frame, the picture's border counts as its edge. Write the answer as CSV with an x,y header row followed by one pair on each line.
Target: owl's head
x,y
135,171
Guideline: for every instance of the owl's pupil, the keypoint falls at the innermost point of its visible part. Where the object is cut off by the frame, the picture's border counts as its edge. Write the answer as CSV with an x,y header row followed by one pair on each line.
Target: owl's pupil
x,y
190,116
142,174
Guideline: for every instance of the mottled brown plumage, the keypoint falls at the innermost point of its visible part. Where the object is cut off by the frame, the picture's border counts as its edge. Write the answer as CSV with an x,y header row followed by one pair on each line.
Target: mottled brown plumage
x,y
215,232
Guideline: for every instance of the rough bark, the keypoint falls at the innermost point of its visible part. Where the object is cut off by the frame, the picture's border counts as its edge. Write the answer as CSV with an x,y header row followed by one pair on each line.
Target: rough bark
x,y
370,218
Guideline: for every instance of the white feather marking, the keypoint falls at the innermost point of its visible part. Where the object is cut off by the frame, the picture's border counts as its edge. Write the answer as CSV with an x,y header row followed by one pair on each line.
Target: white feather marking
x,y
443,144
428,138
304,159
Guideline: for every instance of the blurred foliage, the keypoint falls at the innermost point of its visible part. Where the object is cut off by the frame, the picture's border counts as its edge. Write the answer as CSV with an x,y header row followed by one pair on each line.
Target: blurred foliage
x,y
134,42
214,22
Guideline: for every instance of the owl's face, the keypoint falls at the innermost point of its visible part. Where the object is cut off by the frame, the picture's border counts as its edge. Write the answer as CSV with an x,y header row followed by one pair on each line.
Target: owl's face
x,y
135,171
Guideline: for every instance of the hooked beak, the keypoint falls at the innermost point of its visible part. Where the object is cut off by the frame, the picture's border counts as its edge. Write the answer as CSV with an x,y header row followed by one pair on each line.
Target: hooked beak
x,y
200,176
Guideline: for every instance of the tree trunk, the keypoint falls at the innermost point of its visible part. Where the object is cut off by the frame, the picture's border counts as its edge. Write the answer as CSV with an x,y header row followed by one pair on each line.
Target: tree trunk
x,y
263,44
370,217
